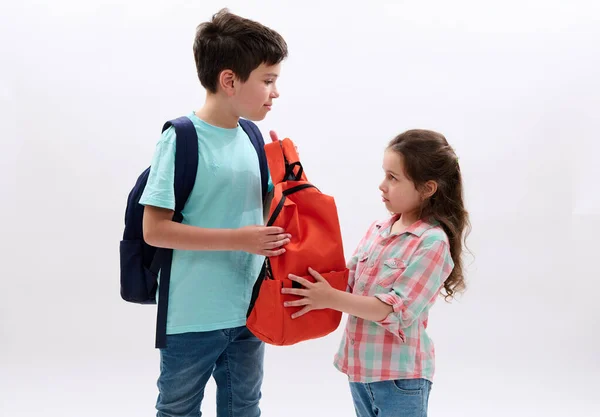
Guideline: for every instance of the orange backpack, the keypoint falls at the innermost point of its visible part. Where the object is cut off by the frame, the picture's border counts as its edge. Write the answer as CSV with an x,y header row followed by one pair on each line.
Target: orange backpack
x,y
311,218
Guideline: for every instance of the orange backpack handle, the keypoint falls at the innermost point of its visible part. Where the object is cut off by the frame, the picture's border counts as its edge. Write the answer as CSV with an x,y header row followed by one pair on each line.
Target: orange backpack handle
x,y
284,163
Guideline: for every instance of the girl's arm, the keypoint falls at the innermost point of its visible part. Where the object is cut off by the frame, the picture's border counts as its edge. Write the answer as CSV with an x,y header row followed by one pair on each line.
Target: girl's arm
x,y
413,291
364,307
320,295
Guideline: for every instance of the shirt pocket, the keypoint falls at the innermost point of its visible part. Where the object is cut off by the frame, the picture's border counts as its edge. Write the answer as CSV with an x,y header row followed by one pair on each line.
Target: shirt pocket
x,y
391,269
362,262
361,274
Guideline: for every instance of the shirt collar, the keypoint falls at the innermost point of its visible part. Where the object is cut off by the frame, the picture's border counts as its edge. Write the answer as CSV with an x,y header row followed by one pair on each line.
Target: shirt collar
x,y
417,228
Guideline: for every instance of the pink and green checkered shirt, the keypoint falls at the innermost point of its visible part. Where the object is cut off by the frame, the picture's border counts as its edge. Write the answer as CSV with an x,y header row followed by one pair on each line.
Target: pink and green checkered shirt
x,y
406,271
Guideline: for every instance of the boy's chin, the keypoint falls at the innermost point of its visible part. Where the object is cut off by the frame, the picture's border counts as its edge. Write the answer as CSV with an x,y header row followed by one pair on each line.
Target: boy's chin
x,y
254,117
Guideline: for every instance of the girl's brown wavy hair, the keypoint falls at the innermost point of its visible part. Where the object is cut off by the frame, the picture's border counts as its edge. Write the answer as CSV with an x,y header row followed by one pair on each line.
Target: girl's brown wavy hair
x,y
427,156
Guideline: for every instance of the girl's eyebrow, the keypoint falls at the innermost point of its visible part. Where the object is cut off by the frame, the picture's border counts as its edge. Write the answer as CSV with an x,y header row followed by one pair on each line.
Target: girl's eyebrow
x,y
389,170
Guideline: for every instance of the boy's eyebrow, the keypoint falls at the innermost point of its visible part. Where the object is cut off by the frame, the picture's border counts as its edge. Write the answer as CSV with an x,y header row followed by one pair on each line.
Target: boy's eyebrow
x,y
272,74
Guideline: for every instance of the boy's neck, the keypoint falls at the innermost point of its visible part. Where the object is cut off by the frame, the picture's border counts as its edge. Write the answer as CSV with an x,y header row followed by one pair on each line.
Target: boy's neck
x,y
216,112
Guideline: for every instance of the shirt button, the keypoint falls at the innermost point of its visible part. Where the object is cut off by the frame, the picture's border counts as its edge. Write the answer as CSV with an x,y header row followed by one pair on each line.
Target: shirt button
x,y
352,342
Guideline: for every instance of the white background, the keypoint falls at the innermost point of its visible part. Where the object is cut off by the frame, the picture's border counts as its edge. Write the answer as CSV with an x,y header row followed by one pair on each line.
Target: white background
x,y
514,85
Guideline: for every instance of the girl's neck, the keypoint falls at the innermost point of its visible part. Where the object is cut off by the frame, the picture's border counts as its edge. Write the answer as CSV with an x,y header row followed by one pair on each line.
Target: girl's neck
x,y
404,221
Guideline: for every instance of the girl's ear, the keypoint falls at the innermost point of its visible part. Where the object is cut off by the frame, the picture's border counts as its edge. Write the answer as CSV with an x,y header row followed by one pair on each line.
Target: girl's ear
x,y
429,189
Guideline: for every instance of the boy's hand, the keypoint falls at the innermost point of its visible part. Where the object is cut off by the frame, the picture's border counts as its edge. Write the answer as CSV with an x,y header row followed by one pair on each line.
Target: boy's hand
x,y
275,138
263,240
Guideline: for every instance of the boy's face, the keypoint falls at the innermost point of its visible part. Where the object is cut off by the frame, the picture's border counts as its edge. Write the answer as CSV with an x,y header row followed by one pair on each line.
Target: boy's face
x,y
253,99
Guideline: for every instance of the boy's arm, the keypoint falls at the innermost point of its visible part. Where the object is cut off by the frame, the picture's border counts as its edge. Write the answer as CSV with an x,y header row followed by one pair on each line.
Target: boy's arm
x,y
161,231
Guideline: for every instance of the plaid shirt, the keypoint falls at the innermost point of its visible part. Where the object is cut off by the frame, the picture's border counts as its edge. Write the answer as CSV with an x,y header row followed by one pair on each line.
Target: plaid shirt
x,y
406,271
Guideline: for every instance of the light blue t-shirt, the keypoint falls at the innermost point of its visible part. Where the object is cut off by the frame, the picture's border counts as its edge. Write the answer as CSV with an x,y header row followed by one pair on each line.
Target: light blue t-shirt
x,y
211,290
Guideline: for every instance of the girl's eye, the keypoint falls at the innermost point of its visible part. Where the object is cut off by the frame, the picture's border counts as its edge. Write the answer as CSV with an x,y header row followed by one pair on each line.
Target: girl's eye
x,y
391,177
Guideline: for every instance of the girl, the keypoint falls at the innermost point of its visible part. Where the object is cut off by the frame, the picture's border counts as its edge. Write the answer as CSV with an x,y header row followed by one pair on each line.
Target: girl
x,y
396,274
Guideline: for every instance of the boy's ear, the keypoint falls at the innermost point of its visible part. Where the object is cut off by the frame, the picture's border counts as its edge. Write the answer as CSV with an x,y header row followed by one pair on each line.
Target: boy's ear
x,y
227,82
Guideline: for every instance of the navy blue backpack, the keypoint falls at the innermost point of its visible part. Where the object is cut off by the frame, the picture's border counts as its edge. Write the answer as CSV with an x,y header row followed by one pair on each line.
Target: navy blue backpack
x,y
140,262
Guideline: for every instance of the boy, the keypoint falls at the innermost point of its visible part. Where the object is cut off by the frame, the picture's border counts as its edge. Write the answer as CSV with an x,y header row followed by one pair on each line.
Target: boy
x,y
220,247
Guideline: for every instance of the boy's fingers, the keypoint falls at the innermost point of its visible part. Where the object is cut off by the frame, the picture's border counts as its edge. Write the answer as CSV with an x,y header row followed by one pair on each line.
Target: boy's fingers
x,y
274,136
273,252
277,243
282,236
274,230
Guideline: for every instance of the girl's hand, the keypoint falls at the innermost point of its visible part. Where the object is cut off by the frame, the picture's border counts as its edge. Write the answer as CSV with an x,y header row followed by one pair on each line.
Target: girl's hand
x,y
316,296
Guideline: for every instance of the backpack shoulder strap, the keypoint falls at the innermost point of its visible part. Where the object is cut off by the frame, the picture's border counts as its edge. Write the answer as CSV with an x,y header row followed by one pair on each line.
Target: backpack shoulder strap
x,y
259,145
186,168
186,160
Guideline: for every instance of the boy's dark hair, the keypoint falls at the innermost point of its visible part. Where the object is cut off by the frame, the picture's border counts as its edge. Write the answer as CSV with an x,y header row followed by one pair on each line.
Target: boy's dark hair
x,y
428,156
232,42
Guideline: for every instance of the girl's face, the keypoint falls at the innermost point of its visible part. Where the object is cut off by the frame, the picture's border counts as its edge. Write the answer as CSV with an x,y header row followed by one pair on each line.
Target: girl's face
x,y
398,192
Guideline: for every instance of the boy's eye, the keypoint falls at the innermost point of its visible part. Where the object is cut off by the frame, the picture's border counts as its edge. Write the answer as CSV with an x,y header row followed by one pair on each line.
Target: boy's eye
x,y
268,82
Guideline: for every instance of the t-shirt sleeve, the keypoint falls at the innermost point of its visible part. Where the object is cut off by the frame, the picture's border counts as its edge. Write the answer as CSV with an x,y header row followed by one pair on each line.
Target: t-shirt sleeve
x,y
159,190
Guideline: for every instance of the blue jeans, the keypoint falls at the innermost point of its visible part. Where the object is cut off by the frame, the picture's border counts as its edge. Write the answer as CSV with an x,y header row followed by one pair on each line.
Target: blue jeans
x,y
396,398
234,357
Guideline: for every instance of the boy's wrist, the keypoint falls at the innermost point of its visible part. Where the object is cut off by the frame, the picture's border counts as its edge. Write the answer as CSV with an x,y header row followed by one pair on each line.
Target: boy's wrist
x,y
231,239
